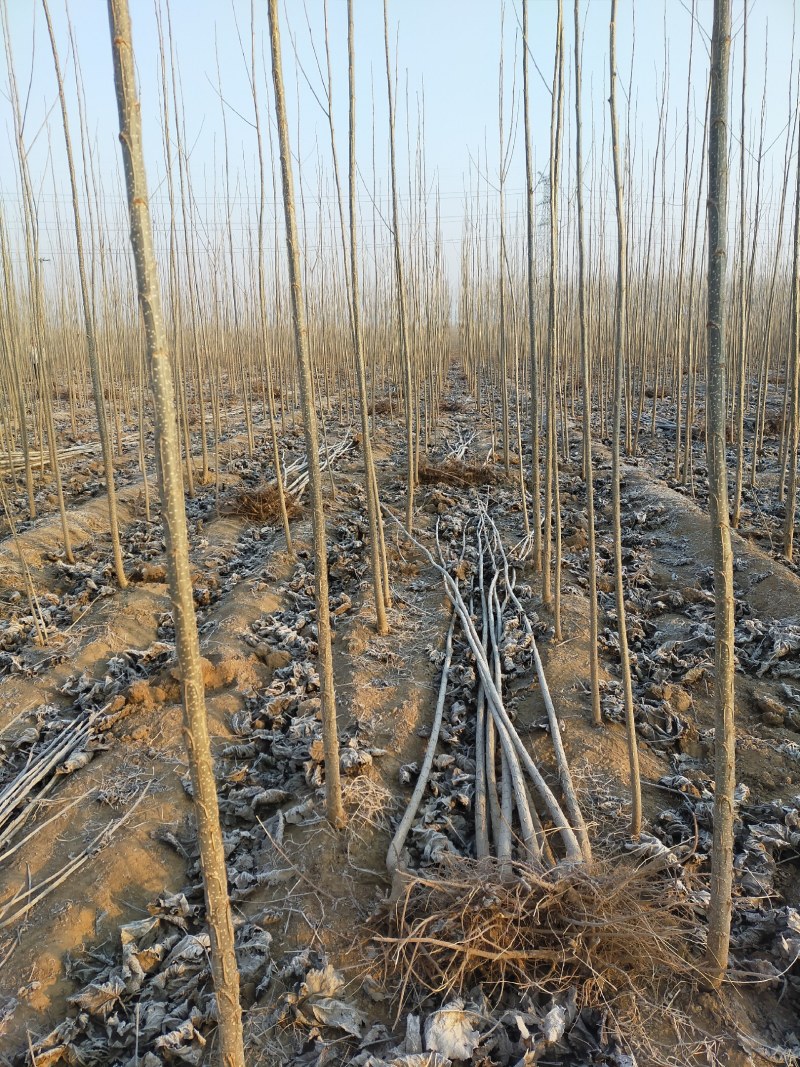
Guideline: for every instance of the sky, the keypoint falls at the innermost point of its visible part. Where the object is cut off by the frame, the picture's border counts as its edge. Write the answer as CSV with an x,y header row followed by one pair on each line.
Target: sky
x,y
447,55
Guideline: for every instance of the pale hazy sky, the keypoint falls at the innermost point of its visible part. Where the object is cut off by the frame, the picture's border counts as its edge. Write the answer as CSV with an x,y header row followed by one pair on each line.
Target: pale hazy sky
x,y
447,50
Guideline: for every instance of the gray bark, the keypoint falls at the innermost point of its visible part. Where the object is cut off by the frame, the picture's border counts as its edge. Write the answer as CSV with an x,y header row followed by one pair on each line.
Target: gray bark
x,y
586,388
719,913
619,366
204,790
88,323
330,737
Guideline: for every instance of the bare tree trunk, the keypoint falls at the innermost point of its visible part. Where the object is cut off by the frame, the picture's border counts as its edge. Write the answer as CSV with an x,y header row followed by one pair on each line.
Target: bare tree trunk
x,y
621,344
679,336
586,388
794,384
742,309
551,502
89,323
266,355
719,912
40,360
503,348
17,385
371,482
536,492
405,343
198,745
174,276
330,737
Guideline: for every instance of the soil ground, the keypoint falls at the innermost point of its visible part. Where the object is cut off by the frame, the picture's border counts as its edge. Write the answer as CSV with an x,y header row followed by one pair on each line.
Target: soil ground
x,y
334,884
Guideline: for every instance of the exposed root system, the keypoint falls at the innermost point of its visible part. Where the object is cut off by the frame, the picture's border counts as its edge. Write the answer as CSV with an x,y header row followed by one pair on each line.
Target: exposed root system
x,y
611,930
455,472
263,505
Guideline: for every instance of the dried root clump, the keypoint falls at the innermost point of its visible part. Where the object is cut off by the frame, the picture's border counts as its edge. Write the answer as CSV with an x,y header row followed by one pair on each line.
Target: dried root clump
x,y
263,505
369,802
456,404
456,472
614,932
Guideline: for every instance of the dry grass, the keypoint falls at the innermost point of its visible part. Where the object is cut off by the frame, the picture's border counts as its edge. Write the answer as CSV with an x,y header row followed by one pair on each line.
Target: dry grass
x,y
262,505
455,472
614,932
369,803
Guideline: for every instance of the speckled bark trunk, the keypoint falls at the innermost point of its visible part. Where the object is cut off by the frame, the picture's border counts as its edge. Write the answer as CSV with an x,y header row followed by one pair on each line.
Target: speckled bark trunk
x,y
719,912
204,789
586,389
619,366
371,482
330,737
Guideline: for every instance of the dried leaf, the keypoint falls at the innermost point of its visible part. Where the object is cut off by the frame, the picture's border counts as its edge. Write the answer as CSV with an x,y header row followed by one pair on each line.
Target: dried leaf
x,y
450,1032
99,998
